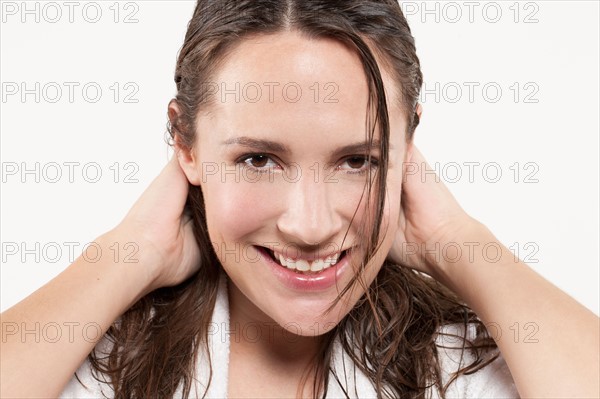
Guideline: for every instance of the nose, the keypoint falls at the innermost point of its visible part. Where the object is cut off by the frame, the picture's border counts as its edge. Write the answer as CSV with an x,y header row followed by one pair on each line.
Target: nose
x,y
311,216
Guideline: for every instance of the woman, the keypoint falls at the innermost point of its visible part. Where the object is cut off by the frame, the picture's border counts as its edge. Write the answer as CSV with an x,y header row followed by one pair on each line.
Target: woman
x,y
280,218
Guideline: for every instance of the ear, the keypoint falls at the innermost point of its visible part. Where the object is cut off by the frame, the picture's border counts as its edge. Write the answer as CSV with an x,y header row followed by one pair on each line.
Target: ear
x,y
419,110
185,155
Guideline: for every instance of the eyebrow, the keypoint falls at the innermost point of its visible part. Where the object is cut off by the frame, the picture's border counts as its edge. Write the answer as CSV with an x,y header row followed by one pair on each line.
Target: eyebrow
x,y
273,146
257,144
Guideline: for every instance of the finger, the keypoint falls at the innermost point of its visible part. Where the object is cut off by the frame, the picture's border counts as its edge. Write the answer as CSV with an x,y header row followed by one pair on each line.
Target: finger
x,y
424,179
425,192
167,193
402,219
417,156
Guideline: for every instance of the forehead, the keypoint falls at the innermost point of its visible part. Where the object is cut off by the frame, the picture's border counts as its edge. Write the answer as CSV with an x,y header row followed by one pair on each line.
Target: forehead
x,y
286,82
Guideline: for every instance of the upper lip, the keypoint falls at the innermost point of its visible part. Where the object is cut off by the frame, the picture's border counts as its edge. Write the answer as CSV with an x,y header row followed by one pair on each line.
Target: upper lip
x,y
299,255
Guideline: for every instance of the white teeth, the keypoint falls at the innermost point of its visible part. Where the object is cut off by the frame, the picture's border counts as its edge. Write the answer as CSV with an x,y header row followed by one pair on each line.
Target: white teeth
x,y
332,260
289,263
317,265
304,265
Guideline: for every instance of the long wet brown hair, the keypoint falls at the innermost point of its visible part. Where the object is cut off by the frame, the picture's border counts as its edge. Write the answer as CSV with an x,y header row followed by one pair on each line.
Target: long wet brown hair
x,y
391,331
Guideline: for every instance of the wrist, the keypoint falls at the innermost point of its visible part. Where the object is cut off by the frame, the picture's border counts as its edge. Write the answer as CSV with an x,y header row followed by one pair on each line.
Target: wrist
x,y
472,258
130,259
464,243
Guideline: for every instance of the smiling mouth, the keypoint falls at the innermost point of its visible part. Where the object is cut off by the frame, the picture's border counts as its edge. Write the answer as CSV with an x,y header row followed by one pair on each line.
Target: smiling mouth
x,y
303,266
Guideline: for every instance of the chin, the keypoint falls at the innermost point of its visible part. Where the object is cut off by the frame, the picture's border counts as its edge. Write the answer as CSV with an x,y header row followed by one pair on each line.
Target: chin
x,y
307,318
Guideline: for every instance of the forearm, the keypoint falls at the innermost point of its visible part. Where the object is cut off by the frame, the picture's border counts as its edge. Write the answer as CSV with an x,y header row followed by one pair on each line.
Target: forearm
x,y
46,336
557,353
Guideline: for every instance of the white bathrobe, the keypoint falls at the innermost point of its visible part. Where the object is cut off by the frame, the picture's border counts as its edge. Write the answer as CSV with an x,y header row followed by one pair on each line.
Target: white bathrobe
x,y
493,381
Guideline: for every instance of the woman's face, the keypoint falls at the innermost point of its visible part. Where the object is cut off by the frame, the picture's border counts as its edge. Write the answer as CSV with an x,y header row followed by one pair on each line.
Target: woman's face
x,y
281,162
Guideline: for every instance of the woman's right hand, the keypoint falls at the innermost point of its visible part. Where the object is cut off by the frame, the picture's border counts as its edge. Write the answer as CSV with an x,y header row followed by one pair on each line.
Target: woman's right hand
x,y
97,292
162,231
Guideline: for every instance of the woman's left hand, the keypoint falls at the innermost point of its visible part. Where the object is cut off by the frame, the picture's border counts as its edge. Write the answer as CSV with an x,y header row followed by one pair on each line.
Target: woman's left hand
x,y
501,292
430,217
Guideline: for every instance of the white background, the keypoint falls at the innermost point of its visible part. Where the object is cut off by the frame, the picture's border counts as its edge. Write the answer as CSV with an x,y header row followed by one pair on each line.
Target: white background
x,y
553,59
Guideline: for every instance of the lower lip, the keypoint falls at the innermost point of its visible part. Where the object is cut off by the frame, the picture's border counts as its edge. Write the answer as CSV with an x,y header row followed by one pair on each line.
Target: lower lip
x,y
306,282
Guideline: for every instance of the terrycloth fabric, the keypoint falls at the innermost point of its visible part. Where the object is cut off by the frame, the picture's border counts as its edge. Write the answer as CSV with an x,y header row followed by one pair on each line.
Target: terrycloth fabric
x,y
493,381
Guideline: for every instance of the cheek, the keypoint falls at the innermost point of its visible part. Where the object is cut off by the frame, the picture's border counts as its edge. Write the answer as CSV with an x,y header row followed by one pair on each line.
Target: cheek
x,y
234,210
389,227
392,209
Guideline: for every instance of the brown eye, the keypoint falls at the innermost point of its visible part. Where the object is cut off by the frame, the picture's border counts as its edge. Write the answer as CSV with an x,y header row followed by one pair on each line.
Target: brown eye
x,y
259,161
356,162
